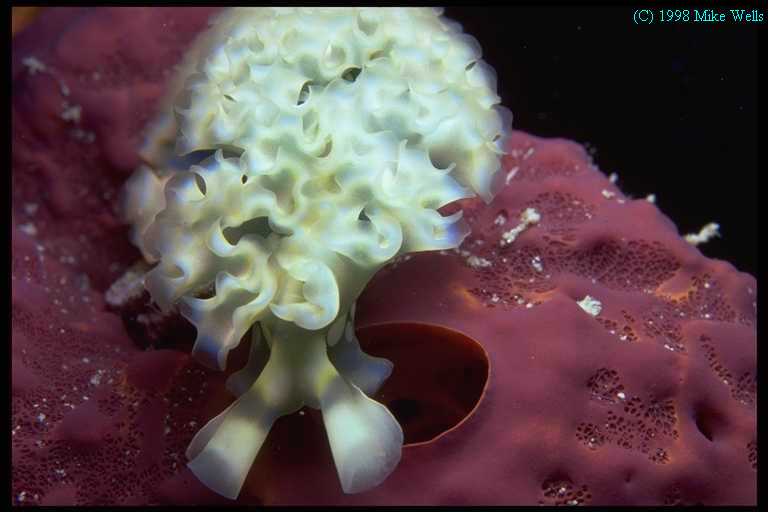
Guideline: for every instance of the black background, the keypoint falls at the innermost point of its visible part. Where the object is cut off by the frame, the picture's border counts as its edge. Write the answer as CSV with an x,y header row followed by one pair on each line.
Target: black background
x,y
672,109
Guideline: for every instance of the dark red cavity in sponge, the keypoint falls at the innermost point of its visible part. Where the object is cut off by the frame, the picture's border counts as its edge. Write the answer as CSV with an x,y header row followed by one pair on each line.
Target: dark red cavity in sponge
x,y
508,392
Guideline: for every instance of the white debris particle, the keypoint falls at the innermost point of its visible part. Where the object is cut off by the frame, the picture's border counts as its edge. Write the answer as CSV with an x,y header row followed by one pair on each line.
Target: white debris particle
x,y
528,154
192,423
621,395
86,360
590,305
301,413
529,305
500,220
83,135
495,298
128,287
96,379
536,262
608,194
30,208
41,417
478,262
33,65
63,88
72,113
511,175
28,229
651,198
706,234
529,217
60,472
613,177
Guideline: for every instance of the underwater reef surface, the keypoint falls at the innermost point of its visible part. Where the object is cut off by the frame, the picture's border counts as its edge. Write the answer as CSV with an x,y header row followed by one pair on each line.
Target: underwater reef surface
x,y
591,356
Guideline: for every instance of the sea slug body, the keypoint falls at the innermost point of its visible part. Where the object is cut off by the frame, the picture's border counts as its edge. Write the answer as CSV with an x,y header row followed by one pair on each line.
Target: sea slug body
x,y
299,151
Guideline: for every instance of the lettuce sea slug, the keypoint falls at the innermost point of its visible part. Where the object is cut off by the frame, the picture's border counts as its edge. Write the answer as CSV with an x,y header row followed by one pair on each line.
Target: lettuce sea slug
x,y
299,151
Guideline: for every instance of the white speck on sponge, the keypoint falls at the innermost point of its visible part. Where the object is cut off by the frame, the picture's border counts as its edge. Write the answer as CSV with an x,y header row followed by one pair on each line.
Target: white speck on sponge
x,y
590,305
72,113
83,135
33,65
28,229
706,234
500,220
536,262
63,88
129,286
651,198
613,177
478,262
511,174
529,217
608,194
30,208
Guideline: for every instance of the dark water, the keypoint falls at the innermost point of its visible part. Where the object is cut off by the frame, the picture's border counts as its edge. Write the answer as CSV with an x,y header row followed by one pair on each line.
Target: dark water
x,y
671,108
